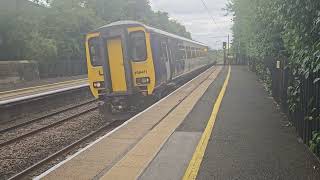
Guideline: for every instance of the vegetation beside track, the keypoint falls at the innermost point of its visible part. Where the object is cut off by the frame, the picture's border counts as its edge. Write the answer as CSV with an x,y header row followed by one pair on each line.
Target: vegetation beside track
x,y
49,30
288,32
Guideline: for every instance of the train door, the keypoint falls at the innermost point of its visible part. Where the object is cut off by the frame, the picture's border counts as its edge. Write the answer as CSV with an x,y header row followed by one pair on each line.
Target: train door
x,y
116,64
165,56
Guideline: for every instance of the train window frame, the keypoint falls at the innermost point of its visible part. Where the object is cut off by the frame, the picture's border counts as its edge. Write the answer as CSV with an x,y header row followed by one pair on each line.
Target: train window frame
x,y
145,54
97,52
164,51
189,55
193,52
199,52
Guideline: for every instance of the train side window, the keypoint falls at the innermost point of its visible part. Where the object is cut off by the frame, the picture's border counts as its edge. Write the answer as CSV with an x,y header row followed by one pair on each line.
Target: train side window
x,y
138,49
94,51
189,52
164,52
182,52
193,52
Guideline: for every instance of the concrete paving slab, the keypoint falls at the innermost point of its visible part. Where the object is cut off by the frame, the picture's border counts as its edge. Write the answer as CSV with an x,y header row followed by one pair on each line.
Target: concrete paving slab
x,y
96,159
197,119
73,170
174,157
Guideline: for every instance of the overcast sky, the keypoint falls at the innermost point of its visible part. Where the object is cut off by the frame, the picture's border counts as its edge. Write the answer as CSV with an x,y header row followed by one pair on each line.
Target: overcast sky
x,y
194,16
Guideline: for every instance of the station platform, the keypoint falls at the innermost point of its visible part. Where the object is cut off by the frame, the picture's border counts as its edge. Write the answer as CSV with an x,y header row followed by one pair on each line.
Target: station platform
x,y
220,125
28,90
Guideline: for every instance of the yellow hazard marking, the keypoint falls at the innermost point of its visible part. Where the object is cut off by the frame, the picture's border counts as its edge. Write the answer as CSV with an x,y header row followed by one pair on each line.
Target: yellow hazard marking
x,y
194,164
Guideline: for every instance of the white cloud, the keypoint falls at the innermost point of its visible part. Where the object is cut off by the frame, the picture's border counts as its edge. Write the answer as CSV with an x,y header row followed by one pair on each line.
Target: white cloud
x,y
194,16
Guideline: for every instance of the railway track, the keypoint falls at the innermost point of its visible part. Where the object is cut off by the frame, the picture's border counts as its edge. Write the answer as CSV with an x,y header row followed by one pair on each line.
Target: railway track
x,y
4,130
13,140
47,122
107,127
66,149
30,133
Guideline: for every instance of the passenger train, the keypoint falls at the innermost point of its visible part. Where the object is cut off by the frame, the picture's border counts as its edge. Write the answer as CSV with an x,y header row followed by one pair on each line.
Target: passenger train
x,y
129,61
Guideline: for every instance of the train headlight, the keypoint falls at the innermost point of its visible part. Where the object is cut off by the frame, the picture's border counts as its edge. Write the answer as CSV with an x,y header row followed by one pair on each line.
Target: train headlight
x,y
97,84
143,81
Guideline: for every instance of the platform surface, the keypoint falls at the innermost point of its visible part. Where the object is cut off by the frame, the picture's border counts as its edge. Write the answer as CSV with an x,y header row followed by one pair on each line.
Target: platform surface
x,y
131,147
44,87
249,139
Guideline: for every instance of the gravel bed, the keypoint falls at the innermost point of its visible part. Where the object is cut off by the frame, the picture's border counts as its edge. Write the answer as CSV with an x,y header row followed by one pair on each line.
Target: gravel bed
x,y
20,155
29,116
76,149
44,122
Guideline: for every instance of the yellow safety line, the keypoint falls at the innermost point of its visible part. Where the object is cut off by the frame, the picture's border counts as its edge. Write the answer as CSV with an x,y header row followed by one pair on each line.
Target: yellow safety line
x,y
194,164
46,85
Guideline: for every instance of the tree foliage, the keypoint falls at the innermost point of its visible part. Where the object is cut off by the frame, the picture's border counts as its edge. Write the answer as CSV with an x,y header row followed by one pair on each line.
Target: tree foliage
x,y
277,28
55,29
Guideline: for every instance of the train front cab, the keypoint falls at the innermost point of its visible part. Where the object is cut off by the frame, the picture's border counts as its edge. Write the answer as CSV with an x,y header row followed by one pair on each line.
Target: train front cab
x,y
125,69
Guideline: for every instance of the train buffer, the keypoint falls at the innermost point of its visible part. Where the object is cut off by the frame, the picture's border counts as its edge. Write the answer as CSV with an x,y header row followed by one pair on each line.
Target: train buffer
x,y
220,125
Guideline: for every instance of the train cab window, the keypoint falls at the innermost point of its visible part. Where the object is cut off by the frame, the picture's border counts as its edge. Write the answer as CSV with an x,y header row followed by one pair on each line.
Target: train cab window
x,y
94,51
138,49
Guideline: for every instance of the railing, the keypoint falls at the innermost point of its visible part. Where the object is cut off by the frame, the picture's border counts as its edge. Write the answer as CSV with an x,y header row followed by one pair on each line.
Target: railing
x,y
306,114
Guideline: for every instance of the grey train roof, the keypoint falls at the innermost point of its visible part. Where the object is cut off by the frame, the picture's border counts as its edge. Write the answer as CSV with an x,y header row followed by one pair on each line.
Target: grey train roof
x,y
132,23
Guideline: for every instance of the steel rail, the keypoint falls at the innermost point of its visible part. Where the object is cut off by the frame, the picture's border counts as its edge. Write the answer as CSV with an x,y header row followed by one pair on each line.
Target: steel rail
x,y
26,171
44,116
45,127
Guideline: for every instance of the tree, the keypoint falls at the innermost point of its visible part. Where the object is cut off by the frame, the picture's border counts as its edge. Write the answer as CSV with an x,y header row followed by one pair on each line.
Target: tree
x,y
55,29
287,28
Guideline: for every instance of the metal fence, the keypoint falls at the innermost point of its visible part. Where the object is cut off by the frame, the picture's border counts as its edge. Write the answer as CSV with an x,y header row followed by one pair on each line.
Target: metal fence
x,y
306,117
